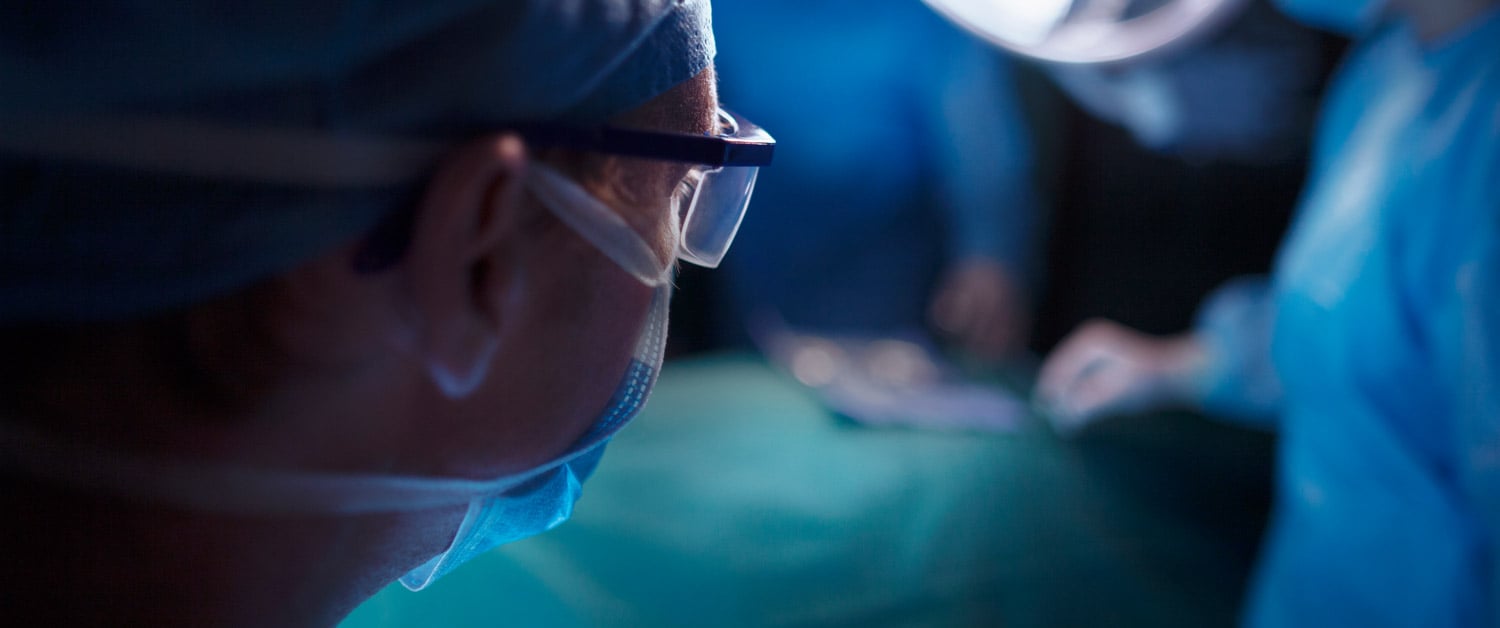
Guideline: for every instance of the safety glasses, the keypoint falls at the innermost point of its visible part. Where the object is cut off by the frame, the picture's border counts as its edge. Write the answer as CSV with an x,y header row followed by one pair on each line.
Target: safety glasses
x,y
711,198
715,191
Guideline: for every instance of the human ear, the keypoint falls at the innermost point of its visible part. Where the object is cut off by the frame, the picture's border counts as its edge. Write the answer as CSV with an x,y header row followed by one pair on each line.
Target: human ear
x,y
456,275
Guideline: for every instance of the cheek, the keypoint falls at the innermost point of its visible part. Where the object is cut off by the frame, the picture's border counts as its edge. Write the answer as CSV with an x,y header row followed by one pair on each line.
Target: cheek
x,y
565,360
645,195
658,229
593,350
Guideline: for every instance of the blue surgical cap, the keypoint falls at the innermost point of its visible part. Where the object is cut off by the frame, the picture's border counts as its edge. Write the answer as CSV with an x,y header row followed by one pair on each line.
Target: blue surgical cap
x,y
136,137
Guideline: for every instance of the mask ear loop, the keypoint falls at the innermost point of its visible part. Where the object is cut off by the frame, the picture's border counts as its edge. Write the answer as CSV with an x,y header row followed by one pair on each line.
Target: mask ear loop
x,y
598,224
679,222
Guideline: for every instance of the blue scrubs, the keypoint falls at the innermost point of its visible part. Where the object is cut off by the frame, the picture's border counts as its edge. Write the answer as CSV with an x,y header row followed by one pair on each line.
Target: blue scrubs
x,y
900,148
1378,322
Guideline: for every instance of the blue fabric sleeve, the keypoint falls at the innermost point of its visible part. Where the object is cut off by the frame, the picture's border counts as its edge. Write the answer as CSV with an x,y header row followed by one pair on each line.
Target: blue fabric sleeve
x,y
982,159
1478,390
1235,325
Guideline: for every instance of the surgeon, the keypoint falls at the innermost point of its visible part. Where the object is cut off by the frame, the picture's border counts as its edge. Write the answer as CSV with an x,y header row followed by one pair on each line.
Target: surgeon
x,y
296,301
1372,348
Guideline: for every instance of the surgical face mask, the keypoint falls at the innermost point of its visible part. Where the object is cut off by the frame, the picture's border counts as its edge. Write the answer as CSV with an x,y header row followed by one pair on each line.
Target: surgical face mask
x,y
1345,17
533,502
541,502
499,510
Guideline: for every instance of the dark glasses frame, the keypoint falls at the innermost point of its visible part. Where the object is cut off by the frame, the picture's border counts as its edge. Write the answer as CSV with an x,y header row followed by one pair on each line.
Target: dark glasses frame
x,y
742,143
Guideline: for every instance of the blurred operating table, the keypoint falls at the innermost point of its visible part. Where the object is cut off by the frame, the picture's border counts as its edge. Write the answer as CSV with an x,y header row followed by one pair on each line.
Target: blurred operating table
x,y
736,499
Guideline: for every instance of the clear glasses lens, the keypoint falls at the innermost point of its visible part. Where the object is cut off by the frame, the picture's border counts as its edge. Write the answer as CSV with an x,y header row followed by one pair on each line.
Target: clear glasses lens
x,y
713,204
713,207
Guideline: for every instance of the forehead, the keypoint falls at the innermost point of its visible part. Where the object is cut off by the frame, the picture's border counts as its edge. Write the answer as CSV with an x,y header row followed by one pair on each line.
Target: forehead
x,y
686,108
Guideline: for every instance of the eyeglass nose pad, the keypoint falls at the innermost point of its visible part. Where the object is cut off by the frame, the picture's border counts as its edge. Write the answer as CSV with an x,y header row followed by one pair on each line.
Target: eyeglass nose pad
x,y
727,124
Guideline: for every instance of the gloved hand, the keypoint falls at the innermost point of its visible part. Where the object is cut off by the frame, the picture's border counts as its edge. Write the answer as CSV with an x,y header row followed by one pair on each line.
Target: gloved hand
x,y
982,305
1105,369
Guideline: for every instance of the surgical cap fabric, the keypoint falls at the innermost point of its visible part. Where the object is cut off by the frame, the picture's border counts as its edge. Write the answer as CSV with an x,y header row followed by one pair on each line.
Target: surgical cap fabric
x,y
115,237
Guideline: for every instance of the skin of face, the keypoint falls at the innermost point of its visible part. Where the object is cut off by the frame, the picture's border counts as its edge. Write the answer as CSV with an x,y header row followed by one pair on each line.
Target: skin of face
x,y
562,354
325,368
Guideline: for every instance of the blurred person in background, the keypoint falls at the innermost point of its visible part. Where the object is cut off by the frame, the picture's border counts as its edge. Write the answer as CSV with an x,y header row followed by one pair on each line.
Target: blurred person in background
x,y
1371,348
1176,171
907,202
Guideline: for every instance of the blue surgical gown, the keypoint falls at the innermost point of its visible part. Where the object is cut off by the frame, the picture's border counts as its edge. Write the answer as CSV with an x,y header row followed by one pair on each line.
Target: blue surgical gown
x,y
1373,347
900,148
